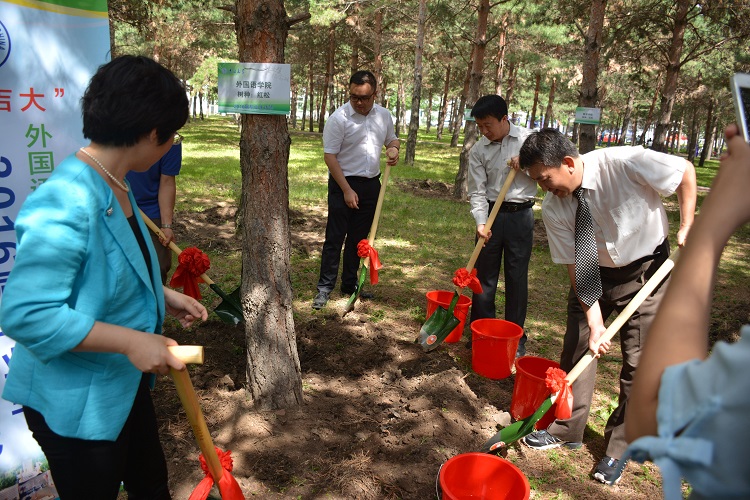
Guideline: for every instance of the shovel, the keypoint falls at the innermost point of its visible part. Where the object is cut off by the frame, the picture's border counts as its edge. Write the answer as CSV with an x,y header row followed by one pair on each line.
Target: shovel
x,y
442,322
229,309
220,473
370,239
521,428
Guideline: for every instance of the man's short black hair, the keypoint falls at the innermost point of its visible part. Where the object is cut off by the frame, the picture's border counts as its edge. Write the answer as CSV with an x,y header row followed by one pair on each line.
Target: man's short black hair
x,y
129,97
362,77
490,105
547,147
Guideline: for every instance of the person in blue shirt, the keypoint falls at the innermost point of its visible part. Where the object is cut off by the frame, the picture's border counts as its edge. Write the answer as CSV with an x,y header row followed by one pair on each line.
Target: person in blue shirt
x,y
155,191
85,302
689,408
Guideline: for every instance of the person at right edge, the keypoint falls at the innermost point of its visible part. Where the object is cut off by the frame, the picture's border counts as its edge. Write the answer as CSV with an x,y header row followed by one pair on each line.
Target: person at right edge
x,y
511,236
690,406
622,188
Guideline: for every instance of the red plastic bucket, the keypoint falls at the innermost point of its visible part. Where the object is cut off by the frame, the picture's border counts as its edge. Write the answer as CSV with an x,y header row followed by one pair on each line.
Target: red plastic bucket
x,y
484,477
493,347
443,298
530,391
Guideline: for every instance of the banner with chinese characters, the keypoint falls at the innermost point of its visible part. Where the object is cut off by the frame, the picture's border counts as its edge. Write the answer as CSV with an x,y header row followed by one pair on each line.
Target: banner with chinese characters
x,y
255,88
48,53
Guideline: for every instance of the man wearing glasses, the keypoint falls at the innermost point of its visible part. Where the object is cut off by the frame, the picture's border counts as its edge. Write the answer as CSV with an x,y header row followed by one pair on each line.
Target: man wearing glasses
x,y
155,191
353,139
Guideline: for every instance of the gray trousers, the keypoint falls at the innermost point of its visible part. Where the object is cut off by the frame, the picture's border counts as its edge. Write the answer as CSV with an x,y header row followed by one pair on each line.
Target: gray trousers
x,y
619,286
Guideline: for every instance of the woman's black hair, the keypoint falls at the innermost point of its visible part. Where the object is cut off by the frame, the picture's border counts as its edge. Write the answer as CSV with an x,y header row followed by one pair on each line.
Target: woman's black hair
x,y
129,97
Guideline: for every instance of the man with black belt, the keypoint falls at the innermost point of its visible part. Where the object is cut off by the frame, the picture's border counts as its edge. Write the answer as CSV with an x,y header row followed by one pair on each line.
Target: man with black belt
x,y
605,220
353,138
510,238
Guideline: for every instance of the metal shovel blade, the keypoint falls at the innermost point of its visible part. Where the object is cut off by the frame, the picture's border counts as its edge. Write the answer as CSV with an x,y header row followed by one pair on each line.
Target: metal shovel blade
x,y
438,326
360,282
516,430
229,309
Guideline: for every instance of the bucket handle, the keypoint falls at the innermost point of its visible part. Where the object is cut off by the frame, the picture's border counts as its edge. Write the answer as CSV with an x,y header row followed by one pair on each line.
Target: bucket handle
x,y
438,491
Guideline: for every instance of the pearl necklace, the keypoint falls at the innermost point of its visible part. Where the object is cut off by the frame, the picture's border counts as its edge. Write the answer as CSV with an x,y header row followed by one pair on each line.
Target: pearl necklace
x,y
114,179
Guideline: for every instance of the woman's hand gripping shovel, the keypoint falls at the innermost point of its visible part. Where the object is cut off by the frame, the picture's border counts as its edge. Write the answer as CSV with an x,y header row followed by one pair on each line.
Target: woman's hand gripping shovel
x,y
517,430
442,322
371,262
229,309
217,470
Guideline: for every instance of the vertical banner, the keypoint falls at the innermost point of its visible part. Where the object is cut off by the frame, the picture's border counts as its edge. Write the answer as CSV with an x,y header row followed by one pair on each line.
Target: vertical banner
x,y
48,53
255,88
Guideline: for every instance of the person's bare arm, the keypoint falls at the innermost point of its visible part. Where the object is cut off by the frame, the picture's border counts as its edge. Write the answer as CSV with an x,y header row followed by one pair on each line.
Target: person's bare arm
x,y
679,332
687,193
167,195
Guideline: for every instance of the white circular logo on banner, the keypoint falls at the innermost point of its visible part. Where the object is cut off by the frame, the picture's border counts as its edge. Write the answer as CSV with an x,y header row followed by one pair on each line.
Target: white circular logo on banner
x,y
4,44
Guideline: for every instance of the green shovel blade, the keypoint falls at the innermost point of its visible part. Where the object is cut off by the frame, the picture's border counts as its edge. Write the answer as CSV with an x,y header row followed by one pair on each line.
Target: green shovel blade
x,y
516,430
360,282
229,309
438,326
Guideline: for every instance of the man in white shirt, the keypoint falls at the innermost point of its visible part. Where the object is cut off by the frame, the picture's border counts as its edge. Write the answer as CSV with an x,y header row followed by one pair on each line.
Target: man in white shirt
x,y
353,138
510,238
622,187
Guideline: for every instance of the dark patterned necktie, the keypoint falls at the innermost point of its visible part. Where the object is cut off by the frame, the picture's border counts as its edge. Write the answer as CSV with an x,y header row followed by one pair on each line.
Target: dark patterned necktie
x,y
588,279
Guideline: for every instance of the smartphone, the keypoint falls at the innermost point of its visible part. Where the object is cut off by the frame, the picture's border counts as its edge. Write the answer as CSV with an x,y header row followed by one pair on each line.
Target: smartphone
x,y
740,84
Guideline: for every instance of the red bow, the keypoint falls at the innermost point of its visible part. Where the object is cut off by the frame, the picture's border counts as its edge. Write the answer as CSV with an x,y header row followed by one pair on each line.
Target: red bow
x,y
192,263
462,278
364,249
228,486
556,382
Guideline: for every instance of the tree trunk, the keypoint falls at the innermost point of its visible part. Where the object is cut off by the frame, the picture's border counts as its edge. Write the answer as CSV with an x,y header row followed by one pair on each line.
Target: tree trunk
x,y
331,56
200,105
293,110
709,133
429,111
274,377
549,115
312,95
512,72
460,187
693,137
400,107
377,67
444,108
538,78
459,112
626,119
416,95
589,96
304,109
501,55
650,115
672,74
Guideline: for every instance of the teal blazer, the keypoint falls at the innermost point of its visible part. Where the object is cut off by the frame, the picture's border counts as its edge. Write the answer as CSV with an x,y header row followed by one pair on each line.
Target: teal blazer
x,y
77,262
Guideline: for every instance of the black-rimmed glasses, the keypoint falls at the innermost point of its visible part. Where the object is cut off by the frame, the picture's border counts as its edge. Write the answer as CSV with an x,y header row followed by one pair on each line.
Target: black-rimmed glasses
x,y
360,98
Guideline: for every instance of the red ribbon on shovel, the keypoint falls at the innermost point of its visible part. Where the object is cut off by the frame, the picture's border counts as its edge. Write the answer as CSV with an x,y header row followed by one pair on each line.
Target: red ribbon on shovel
x,y
192,263
556,381
364,249
228,486
462,278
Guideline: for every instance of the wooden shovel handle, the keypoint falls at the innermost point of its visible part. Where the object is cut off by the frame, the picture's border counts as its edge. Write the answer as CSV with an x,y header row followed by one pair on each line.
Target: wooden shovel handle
x,y
491,218
626,313
192,407
378,209
188,354
172,244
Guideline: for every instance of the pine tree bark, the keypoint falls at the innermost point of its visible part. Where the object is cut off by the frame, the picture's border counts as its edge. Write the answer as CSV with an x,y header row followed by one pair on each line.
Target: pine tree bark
x,y
274,377
416,95
589,96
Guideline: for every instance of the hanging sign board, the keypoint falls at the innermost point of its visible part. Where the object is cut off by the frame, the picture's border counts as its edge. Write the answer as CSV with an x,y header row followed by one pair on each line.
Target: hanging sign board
x,y
255,88
467,115
591,116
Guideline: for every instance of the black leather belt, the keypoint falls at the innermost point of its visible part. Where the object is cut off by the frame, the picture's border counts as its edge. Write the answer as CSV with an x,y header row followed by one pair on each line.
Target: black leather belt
x,y
512,206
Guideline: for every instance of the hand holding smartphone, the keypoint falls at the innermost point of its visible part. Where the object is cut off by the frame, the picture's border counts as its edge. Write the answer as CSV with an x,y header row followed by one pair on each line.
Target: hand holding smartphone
x,y
740,86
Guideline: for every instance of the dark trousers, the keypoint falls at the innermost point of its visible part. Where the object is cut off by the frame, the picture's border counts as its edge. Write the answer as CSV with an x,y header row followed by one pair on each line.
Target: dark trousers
x,y
350,224
510,244
94,469
619,286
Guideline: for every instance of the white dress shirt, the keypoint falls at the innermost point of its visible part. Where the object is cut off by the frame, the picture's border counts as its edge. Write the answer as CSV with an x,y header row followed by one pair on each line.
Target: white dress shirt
x,y
488,168
357,140
623,187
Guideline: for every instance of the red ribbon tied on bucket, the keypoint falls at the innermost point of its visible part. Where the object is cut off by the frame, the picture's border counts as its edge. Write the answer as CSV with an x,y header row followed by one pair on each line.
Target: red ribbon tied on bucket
x,y
228,486
555,381
192,263
462,278
364,249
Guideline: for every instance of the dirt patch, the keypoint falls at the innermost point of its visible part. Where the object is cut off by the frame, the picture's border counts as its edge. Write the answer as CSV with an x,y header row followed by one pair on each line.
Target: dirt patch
x,y
379,415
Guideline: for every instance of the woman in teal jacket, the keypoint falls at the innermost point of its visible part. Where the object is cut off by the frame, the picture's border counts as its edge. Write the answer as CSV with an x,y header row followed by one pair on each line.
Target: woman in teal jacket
x,y
85,301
